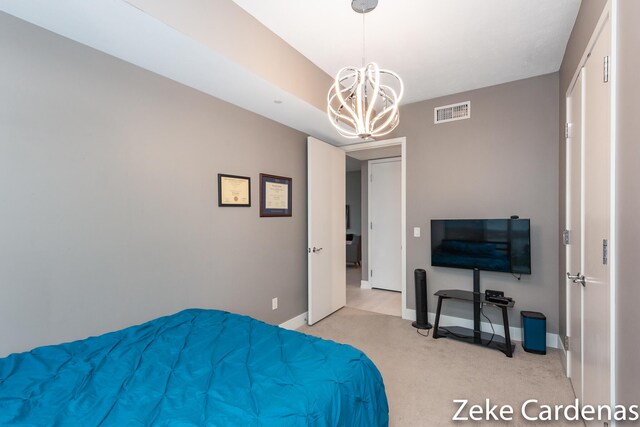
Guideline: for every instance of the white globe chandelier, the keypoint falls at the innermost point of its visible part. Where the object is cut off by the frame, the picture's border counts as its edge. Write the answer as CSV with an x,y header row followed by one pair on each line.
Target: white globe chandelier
x,y
363,102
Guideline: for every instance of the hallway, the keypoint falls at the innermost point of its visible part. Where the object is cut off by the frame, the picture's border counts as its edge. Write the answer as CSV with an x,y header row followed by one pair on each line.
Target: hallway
x,y
374,300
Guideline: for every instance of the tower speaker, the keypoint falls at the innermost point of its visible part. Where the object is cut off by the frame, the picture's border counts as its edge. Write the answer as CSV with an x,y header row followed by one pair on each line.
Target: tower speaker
x,y
422,321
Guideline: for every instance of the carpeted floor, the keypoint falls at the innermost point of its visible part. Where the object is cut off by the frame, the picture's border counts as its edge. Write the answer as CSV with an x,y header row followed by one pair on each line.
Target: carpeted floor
x,y
423,376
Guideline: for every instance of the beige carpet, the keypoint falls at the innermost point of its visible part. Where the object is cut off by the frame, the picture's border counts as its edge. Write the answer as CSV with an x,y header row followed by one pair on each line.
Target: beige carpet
x,y
423,376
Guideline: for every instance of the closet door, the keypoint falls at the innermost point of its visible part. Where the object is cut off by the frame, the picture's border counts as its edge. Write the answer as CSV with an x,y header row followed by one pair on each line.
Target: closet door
x,y
385,224
597,224
574,249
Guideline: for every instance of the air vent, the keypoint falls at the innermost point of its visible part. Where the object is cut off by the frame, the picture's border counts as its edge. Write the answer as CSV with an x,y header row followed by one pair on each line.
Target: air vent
x,y
450,113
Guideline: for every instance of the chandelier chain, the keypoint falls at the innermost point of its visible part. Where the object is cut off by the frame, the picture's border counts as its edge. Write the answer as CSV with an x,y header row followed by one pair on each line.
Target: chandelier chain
x,y
364,31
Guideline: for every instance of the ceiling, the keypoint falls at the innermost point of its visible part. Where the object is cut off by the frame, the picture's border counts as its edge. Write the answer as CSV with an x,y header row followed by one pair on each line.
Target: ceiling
x,y
437,47
122,29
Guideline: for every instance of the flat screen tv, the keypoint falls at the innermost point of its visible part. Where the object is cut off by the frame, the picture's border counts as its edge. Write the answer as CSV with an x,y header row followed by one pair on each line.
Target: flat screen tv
x,y
482,244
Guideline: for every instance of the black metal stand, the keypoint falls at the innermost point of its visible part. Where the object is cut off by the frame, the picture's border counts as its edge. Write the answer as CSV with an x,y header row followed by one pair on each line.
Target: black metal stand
x,y
474,336
477,334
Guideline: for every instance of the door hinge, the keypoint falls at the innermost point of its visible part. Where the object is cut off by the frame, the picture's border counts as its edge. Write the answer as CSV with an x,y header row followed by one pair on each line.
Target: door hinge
x,y
566,343
606,69
371,275
605,251
566,237
372,225
566,130
371,178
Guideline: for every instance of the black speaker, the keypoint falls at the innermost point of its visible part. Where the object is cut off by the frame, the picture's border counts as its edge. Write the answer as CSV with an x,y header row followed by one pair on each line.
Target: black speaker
x,y
422,321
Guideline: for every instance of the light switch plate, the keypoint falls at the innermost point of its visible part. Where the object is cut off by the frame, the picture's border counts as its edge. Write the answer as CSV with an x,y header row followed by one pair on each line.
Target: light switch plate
x,y
416,231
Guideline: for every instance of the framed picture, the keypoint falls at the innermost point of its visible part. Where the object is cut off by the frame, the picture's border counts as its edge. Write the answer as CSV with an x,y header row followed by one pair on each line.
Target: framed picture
x,y
234,190
275,195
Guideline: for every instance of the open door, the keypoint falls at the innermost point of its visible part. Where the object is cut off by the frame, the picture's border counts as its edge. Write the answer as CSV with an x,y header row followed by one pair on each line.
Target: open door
x,y
326,229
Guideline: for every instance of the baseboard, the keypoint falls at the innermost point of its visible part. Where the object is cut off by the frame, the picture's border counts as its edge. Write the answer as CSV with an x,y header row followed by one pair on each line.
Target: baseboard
x,y
364,284
409,314
560,345
563,356
296,322
553,340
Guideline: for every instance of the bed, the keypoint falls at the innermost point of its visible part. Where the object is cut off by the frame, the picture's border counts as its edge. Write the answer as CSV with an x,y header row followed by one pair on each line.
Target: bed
x,y
196,367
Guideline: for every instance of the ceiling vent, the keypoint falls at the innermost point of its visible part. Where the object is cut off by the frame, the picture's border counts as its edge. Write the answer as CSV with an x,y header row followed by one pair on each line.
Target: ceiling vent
x,y
450,113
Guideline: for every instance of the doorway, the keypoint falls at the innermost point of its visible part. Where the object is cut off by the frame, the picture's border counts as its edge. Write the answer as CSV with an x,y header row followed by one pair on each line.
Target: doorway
x,y
384,224
384,246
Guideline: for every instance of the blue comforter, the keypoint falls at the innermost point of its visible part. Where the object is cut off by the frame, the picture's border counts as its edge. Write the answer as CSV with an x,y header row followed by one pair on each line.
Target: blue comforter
x,y
196,367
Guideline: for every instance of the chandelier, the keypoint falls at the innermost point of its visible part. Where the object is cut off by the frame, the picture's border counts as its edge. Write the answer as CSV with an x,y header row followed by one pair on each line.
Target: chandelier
x,y
363,102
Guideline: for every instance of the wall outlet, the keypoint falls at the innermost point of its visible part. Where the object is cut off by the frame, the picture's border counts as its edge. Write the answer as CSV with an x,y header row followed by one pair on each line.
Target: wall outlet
x,y
274,304
416,231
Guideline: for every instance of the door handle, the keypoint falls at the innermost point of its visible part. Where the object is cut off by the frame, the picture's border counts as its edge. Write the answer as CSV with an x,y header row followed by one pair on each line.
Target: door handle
x,y
577,278
316,250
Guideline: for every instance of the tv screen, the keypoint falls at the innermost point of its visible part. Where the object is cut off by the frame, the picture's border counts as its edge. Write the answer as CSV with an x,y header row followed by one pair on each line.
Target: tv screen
x,y
486,244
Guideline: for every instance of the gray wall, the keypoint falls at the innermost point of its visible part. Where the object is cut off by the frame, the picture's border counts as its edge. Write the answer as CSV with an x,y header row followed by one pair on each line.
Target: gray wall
x,y
628,204
354,200
584,26
502,161
108,184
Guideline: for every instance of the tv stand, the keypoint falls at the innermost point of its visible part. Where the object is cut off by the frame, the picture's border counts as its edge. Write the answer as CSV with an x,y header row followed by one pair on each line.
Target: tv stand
x,y
475,336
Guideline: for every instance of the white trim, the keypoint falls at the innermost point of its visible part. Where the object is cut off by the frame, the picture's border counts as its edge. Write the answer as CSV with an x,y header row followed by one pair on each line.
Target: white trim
x,y
364,284
409,314
402,141
583,151
606,11
295,322
564,357
373,144
613,276
385,160
568,225
553,340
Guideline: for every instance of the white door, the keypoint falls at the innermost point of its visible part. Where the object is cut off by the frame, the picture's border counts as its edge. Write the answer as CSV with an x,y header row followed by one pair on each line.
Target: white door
x,y
574,226
326,229
385,227
597,239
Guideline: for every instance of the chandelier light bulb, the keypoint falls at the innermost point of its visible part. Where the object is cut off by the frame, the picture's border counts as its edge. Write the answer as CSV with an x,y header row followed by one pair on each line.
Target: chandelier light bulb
x,y
363,102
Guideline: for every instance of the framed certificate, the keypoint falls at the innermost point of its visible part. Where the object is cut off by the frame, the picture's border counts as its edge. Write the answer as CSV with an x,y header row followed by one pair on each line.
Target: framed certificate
x,y
275,195
234,190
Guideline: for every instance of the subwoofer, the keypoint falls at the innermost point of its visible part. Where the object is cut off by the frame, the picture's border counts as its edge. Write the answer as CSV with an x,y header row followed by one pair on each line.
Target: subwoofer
x,y
422,321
